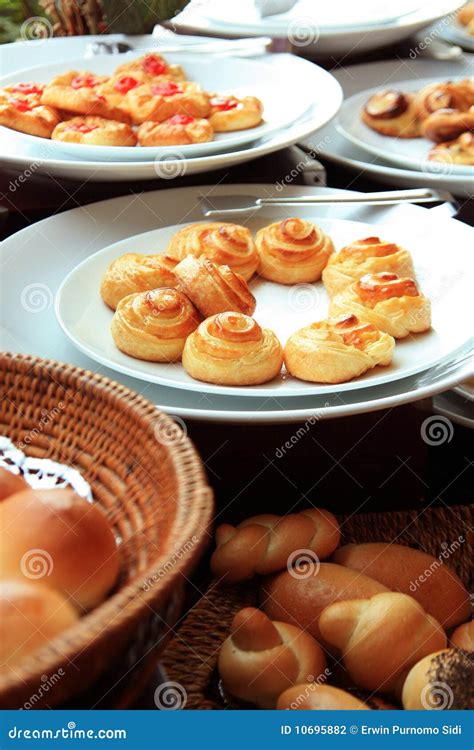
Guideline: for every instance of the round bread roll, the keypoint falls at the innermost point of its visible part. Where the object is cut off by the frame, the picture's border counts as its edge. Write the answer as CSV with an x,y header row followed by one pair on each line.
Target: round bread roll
x,y
56,538
10,483
30,616
463,636
313,697
300,597
443,680
431,582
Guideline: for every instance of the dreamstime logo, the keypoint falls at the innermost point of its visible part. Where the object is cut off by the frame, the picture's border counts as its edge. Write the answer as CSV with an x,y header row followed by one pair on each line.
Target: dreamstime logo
x,y
302,297
437,430
437,696
170,696
35,29
36,298
303,563
36,563
433,166
170,430
302,32
171,165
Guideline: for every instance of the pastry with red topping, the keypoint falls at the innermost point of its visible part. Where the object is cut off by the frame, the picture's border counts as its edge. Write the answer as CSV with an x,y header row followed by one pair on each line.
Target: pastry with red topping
x,y
26,114
229,113
151,66
161,100
179,130
79,93
94,131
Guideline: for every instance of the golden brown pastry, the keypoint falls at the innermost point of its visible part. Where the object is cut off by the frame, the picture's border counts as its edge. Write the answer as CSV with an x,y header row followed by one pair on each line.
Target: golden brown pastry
x,y
179,130
313,697
392,113
440,681
381,638
337,350
134,272
447,124
229,113
260,659
161,100
94,131
391,303
445,95
10,483
152,66
27,115
459,151
263,544
463,636
214,289
117,87
29,90
427,579
154,325
292,251
466,16
231,349
225,244
370,255
77,92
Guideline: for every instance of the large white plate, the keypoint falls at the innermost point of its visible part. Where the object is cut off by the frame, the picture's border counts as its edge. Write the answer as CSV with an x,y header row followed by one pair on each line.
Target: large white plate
x,y
411,153
36,260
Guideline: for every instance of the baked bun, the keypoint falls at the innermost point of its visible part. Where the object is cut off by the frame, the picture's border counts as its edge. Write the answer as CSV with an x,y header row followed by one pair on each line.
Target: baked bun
x,y
94,131
231,349
370,255
179,130
77,92
440,681
392,113
214,289
153,66
160,100
380,638
154,325
300,597
30,616
27,115
391,303
335,351
29,90
314,697
447,124
263,544
225,244
432,583
229,113
57,538
11,483
292,251
134,272
261,658
459,151
463,636
115,89
448,95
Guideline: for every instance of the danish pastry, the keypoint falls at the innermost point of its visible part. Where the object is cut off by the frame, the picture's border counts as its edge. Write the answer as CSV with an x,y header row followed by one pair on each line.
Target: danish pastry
x,y
225,244
152,66
292,251
391,303
179,130
154,325
94,131
447,124
117,87
392,113
231,349
27,116
29,90
214,289
78,93
459,151
448,95
229,113
335,351
370,255
133,272
161,100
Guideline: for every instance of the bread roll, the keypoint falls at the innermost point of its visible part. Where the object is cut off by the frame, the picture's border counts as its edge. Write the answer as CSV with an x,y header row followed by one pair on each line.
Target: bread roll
x,y
56,538
301,598
10,483
440,681
463,636
431,582
314,697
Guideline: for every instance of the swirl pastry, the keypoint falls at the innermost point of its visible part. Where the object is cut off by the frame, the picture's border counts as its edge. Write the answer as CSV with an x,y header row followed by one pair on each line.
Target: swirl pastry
x,y
214,289
292,251
161,100
154,325
230,113
225,244
133,272
370,255
391,303
232,349
78,93
459,151
94,131
449,95
179,130
335,351
25,115
447,124
392,113
151,66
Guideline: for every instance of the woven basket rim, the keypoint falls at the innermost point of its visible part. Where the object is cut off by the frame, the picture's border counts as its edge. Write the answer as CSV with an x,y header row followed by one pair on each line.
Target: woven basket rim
x,y
115,611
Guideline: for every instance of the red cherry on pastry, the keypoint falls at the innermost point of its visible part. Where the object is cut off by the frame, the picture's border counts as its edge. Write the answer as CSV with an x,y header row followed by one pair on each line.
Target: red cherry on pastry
x,y
81,127
80,82
126,83
166,88
181,119
154,66
223,104
27,88
20,104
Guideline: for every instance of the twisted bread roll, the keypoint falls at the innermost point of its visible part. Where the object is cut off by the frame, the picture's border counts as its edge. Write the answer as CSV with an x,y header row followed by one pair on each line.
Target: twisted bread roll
x,y
392,304
381,638
370,255
449,95
232,349
262,544
154,325
261,658
314,697
134,272
214,289
292,251
225,244
392,113
463,636
459,151
334,351
447,124
440,681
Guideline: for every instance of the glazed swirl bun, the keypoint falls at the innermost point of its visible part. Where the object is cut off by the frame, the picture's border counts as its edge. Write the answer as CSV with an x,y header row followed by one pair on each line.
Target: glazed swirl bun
x,y
392,113
459,151
449,95
214,289
232,349
292,251
154,325
335,351
225,244
370,255
391,303
447,124
134,272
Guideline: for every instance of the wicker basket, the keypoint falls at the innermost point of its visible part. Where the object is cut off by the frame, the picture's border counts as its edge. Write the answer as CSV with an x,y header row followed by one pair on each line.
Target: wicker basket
x,y
149,480
191,656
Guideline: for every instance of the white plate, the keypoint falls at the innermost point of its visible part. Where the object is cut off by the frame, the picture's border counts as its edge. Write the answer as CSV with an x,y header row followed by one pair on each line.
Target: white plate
x,y
411,153
36,260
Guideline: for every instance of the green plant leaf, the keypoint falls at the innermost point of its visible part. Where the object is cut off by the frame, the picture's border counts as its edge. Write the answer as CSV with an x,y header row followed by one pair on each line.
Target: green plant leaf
x,y
139,16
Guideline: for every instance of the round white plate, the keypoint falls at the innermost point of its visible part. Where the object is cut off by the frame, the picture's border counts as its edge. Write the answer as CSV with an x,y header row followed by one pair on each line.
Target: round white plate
x,y
36,260
410,153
